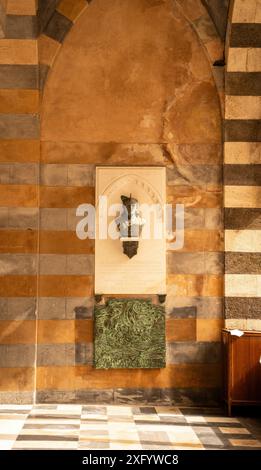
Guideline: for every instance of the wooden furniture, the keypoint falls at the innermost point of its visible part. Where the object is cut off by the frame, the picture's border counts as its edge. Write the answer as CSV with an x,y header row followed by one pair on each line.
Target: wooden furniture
x,y
242,368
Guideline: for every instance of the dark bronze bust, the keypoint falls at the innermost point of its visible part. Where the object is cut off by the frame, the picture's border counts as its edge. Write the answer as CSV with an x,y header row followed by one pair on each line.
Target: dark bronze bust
x,y
130,224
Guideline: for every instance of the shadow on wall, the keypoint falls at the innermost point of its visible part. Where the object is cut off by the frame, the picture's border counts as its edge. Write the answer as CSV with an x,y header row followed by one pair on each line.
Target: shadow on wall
x,y
218,11
45,11
2,17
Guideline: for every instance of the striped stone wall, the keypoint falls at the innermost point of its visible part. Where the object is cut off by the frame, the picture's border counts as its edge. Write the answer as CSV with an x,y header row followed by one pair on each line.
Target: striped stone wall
x,y
242,170
19,170
46,304
57,268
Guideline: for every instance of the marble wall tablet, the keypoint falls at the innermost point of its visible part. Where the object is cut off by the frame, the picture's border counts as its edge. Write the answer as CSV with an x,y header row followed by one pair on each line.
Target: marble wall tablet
x,y
145,273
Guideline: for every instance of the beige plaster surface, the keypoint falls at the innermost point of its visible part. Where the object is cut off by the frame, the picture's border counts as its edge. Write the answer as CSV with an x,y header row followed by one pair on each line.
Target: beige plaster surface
x,y
131,71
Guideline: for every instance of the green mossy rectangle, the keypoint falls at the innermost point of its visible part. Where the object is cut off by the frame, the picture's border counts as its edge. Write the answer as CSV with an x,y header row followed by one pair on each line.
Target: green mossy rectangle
x,y
129,333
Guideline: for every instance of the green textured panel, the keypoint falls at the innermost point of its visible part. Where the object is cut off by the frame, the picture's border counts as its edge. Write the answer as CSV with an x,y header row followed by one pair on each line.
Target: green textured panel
x,y
129,333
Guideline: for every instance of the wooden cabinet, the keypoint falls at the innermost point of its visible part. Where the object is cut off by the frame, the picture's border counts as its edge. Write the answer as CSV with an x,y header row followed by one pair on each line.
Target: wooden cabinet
x,y
242,368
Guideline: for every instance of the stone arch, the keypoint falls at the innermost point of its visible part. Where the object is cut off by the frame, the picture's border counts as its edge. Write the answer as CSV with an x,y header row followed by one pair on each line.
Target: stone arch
x,y
171,118
57,17
218,11
185,17
137,180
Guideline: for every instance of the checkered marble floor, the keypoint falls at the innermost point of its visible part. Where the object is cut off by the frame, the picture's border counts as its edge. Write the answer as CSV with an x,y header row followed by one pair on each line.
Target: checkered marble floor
x,y
120,427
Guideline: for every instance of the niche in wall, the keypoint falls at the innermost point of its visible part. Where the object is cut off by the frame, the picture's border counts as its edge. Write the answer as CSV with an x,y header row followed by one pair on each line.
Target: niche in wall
x,y
130,332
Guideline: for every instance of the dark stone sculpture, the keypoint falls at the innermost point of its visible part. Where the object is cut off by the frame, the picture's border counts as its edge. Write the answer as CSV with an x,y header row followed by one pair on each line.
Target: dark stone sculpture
x,y
130,224
162,298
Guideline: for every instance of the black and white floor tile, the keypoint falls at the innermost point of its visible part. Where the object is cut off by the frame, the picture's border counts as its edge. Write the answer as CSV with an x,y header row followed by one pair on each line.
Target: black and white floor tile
x,y
121,427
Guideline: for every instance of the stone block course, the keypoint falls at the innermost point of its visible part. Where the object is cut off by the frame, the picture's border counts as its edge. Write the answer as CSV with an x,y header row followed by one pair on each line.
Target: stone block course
x,y
238,130
18,52
205,175
245,12
68,196
17,355
18,218
66,264
13,195
243,307
16,241
242,152
65,331
17,264
19,76
65,285
17,308
244,60
240,218
54,219
19,126
61,308
243,263
72,8
209,329
23,151
243,83
21,7
58,27
194,307
56,354
243,196
242,175
19,173
243,107
245,35
194,285
80,377
21,27
193,352
195,263
17,332
64,242
243,241
18,286
242,285
18,101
